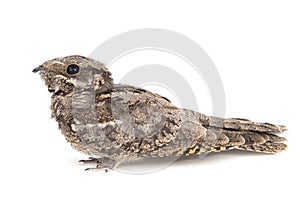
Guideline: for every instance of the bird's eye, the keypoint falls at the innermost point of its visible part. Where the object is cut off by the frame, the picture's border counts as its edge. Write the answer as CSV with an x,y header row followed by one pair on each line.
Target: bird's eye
x,y
73,69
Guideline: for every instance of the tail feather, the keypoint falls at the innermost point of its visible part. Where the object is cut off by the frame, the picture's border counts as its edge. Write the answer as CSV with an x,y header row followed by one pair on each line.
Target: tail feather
x,y
241,124
268,147
243,134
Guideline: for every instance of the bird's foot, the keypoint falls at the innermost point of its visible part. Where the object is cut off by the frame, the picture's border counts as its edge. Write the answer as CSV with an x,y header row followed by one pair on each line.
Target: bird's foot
x,y
104,164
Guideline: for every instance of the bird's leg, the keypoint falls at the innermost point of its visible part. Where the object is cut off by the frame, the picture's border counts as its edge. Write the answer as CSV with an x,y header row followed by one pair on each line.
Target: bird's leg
x,y
101,164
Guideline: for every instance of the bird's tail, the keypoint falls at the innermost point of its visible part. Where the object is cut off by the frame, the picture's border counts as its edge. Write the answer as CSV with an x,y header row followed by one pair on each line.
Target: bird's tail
x,y
242,134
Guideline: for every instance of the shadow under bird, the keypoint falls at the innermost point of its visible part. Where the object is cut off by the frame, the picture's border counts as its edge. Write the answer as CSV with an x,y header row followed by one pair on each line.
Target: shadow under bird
x,y
116,123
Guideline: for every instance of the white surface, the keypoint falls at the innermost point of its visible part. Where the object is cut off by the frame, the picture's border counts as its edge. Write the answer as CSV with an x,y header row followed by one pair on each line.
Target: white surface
x,y
255,46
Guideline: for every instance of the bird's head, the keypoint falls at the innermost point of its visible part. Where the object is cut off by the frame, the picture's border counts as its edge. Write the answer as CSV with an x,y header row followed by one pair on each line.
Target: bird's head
x,y
62,75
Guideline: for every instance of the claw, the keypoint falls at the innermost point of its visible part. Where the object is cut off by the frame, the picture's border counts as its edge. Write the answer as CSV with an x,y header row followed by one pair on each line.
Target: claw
x,y
91,160
101,164
97,168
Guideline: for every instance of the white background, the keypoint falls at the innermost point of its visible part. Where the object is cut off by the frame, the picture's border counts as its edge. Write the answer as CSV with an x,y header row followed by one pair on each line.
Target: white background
x,y
255,46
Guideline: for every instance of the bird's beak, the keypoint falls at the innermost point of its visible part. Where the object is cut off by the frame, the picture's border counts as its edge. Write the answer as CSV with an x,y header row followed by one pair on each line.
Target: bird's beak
x,y
39,68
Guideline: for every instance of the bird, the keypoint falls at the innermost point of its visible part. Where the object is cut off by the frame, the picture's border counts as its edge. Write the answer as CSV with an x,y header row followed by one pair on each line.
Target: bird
x,y
118,123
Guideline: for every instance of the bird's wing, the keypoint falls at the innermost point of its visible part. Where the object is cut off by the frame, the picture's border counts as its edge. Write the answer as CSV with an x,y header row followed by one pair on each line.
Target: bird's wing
x,y
148,123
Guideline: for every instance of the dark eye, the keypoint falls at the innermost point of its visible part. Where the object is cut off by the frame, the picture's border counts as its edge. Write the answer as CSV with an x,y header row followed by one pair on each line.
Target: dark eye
x,y
73,69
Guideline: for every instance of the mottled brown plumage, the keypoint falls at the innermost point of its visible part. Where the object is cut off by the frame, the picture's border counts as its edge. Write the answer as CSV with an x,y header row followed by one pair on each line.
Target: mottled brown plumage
x,y
116,123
